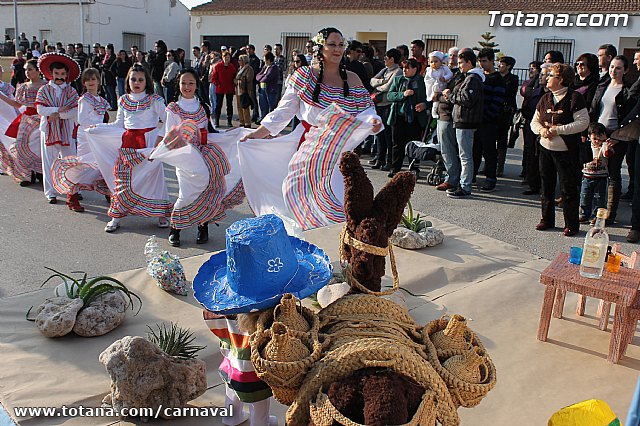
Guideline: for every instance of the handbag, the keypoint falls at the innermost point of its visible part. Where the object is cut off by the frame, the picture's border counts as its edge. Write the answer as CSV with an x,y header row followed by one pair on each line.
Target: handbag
x,y
377,97
245,100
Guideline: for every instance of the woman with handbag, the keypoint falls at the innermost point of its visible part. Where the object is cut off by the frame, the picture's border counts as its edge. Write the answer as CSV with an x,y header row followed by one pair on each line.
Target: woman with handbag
x,y
244,90
381,84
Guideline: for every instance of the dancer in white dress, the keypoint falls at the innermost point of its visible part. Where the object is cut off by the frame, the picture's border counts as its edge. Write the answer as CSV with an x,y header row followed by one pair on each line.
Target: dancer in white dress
x,y
81,172
121,150
8,113
301,180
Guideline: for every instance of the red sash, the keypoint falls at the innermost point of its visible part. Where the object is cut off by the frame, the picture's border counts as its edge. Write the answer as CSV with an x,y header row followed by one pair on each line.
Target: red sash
x,y
134,138
306,126
203,136
12,130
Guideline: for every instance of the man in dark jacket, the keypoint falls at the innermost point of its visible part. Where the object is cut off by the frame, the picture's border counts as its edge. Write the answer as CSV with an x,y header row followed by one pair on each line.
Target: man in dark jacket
x,y
353,64
512,84
467,98
254,62
157,67
484,144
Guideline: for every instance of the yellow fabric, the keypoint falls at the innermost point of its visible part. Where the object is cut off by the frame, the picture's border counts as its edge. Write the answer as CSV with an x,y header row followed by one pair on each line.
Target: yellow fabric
x,y
592,412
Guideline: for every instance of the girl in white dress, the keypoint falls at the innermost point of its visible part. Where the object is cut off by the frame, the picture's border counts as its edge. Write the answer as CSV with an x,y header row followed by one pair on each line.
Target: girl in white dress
x,y
121,150
72,174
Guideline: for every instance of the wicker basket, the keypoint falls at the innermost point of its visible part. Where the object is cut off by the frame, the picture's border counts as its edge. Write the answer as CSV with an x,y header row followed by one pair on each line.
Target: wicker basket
x,y
301,313
286,372
323,412
463,392
454,336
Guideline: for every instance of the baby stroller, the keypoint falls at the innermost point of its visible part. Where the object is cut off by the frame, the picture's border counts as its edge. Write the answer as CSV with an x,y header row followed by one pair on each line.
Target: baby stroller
x,y
428,149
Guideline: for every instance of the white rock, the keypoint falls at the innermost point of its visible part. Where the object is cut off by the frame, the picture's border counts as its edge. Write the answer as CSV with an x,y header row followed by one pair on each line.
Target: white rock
x,y
101,316
398,298
142,375
407,239
332,292
57,315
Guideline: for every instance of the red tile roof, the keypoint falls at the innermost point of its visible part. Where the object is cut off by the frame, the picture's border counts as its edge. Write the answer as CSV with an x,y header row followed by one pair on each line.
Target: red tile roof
x,y
385,6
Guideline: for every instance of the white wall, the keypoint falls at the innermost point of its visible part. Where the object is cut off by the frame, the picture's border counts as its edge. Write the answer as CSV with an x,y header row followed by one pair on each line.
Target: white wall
x,y
104,23
401,29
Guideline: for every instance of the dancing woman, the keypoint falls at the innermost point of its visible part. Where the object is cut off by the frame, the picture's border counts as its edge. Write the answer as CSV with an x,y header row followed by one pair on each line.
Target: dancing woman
x,y
121,149
304,180
8,113
72,174
25,152
200,172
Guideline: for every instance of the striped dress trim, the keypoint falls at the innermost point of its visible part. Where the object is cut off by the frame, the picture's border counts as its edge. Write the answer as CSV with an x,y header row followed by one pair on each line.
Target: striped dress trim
x,y
6,89
307,189
129,104
125,201
26,159
209,206
236,369
99,104
6,161
26,95
235,197
199,115
64,185
304,82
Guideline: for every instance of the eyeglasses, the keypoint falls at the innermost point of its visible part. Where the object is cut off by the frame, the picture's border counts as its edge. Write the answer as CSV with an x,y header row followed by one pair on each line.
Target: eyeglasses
x,y
580,63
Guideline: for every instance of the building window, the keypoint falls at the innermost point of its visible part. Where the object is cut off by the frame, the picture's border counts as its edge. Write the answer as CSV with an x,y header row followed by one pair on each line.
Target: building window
x,y
294,41
133,39
441,42
565,46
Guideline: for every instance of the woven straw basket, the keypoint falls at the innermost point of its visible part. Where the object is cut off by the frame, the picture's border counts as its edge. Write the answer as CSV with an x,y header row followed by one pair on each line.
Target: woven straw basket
x,y
289,312
291,353
323,413
461,371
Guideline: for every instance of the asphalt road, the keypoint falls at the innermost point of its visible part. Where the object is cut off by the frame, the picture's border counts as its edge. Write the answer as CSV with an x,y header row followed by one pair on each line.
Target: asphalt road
x,y
35,234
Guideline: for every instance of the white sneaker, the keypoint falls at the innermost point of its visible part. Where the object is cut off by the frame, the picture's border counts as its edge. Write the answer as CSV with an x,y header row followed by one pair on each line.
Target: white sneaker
x,y
112,225
163,222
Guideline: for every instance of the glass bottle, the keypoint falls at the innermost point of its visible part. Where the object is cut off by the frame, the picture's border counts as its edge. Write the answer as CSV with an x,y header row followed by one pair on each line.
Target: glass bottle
x,y
595,248
151,248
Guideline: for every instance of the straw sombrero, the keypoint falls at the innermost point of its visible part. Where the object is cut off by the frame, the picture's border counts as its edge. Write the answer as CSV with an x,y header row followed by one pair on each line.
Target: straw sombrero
x,y
45,61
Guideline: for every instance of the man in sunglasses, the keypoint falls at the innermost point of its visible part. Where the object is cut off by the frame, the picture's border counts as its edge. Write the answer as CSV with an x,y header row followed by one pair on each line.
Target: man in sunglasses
x,y
353,64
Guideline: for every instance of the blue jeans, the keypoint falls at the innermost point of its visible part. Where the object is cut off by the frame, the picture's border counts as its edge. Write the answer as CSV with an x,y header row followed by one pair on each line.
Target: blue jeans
x,y
385,137
464,137
212,96
157,88
268,102
120,86
449,150
169,93
111,96
593,196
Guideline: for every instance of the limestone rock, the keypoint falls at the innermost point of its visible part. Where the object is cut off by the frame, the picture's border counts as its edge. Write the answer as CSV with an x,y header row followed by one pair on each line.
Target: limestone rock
x,y
142,375
57,315
332,292
407,239
102,315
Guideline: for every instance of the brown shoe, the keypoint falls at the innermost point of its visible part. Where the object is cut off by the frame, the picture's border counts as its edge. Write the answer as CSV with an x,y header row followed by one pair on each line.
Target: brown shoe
x,y
633,236
444,186
541,226
74,203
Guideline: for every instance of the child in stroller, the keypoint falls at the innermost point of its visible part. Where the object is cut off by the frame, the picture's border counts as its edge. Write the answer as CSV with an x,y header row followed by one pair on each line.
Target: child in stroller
x,y
428,149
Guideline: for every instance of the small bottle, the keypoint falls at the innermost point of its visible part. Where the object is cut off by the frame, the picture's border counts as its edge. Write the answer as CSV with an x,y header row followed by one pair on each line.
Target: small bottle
x,y
594,250
151,248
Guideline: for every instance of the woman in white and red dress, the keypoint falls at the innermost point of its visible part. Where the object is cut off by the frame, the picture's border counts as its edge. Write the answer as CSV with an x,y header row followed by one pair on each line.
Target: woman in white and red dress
x,y
72,174
201,171
121,150
8,113
303,182
25,162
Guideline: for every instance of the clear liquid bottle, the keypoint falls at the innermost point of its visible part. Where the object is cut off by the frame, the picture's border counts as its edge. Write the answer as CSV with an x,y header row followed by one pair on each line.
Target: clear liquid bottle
x,y
595,248
151,249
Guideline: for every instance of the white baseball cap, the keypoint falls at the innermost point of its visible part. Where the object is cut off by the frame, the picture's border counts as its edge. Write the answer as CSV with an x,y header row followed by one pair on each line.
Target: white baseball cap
x,y
223,47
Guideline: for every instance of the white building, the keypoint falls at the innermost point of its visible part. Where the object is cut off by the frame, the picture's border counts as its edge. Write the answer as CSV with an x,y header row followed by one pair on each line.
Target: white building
x,y
570,26
121,22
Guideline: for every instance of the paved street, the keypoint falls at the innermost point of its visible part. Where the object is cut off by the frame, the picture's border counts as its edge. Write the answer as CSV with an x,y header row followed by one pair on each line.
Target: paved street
x,y
34,234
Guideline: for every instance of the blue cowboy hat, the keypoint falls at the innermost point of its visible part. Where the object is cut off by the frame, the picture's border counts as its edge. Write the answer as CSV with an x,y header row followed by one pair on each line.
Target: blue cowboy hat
x,y
260,264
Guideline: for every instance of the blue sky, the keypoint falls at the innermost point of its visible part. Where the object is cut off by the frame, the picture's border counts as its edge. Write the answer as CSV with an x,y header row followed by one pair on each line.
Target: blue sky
x,y
192,3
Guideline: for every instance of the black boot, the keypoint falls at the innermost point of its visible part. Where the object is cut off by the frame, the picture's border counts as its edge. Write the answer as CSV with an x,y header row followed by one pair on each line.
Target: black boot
x,y
203,233
33,177
217,122
39,177
229,123
174,237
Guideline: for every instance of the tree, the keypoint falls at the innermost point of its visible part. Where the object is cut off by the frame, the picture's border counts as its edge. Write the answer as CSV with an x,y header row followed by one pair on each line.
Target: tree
x,y
486,42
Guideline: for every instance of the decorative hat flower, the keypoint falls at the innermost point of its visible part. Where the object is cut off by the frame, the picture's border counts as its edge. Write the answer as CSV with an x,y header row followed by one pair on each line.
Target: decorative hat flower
x,y
319,39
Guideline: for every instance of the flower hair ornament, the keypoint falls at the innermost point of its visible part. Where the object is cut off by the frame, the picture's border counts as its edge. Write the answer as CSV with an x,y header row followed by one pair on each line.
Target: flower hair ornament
x,y
319,40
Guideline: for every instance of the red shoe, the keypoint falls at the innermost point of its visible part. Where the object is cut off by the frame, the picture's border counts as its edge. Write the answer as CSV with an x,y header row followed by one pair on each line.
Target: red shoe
x,y
444,186
568,232
542,226
74,204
